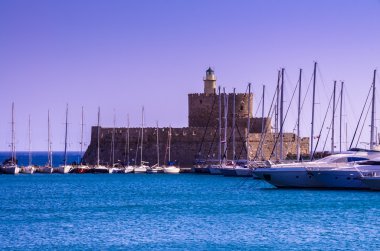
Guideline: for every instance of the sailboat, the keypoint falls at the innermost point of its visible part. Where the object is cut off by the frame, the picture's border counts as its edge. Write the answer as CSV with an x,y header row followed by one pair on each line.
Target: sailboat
x,y
82,168
216,168
128,168
65,168
48,168
29,168
142,168
99,168
171,169
115,167
10,166
156,168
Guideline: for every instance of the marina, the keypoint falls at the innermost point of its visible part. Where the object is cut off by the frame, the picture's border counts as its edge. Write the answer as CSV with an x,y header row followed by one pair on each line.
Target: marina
x,y
196,211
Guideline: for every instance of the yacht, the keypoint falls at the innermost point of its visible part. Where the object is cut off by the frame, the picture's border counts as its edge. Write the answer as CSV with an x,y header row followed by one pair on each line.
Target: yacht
x,y
10,166
372,180
350,176
299,175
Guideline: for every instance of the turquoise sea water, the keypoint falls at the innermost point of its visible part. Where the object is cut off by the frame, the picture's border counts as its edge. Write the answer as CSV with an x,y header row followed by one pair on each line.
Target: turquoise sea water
x,y
184,212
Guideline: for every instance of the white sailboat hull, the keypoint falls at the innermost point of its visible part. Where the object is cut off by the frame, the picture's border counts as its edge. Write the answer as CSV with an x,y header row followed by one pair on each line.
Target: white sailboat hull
x,y
128,169
140,169
172,170
64,169
28,169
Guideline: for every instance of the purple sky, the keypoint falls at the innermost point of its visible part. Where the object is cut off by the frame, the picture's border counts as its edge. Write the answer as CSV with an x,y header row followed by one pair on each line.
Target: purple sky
x,y
120,55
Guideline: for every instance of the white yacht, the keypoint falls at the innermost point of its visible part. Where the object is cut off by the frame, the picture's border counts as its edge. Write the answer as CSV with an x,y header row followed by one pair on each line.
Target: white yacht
x,y
300,174
350,176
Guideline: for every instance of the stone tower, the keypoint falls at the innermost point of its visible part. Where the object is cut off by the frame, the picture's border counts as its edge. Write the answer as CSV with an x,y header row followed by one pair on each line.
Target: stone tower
x,y
210,82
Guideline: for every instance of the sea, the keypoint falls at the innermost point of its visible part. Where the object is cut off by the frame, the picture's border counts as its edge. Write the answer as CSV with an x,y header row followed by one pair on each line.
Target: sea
x,y
180,212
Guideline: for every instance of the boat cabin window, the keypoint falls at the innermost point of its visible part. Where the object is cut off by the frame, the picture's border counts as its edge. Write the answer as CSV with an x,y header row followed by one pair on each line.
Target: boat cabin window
x,y
352,159
370,162
340,159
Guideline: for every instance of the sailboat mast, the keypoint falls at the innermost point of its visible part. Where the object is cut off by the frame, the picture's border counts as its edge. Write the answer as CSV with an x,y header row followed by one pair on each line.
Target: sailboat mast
x,y
30,143
225,124
276,111
262,119
13,147
81,135
127,141
113,139
170,142
333,121
340,118
299,116
371,143
50,159
233,127
282,115
142,136
312,113
65,155
158,147
98,143
248,122
220,127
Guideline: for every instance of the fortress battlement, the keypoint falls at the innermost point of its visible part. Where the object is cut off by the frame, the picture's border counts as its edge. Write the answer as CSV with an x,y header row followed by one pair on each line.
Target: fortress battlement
x,y
200,138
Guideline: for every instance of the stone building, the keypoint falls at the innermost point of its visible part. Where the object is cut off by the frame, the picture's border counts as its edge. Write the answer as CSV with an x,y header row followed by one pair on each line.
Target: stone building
x,y
200,140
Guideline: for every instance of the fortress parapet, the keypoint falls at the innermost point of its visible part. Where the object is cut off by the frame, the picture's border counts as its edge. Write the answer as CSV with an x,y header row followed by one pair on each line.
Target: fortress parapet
x,y
200,138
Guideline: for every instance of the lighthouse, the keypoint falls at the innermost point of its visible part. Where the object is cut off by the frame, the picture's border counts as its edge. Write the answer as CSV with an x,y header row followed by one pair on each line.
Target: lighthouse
x,y
209,82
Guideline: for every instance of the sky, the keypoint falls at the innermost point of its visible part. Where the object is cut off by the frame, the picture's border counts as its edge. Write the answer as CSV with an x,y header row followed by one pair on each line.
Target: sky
x,y
122,55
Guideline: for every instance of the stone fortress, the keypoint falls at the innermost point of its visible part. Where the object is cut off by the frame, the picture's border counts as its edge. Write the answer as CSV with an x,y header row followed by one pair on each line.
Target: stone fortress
x,y
200,140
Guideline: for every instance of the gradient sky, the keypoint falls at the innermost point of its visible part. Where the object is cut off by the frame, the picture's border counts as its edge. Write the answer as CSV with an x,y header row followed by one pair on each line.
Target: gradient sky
x,y
120,55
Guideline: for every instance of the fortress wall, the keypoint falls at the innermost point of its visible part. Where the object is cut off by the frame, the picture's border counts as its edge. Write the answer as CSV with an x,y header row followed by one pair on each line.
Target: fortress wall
x,y
200,108
185,147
